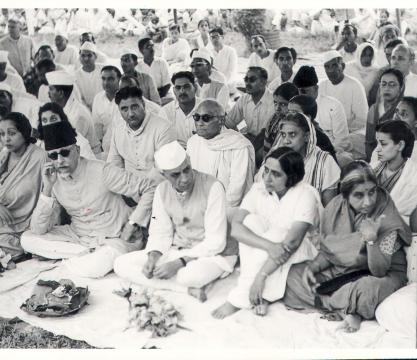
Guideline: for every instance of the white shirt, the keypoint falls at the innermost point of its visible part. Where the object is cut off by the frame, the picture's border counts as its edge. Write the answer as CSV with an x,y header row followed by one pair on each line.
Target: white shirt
x,y
267,63
89,83
222,96
256,116
104,112
332,120
410,85
15,82
28,105
159,70
351,93
226,61
183,125
68,57
274,84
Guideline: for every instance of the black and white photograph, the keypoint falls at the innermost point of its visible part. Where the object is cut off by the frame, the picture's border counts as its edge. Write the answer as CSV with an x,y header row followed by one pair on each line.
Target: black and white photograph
x,y
241,180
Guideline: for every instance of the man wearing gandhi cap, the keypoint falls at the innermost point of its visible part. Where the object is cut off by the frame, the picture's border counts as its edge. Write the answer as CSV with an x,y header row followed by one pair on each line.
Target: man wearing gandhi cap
x,y
187,235
206,86
14,80
90,192
88,77
61,91
351,93
20,47
66,54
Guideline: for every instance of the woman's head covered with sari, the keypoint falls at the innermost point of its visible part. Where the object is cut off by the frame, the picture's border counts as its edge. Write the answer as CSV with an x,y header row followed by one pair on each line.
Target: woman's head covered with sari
x,y
355,173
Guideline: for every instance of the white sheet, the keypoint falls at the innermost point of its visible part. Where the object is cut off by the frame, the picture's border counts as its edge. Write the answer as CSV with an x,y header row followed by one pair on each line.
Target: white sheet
x,y
102,322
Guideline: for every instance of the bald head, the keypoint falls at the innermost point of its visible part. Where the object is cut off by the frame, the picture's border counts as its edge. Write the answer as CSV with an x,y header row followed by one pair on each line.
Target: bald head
x,y
212,107
209,118
402,58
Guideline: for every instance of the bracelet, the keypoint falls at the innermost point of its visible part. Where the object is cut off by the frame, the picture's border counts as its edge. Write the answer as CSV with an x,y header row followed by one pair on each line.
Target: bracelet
x,y
183,262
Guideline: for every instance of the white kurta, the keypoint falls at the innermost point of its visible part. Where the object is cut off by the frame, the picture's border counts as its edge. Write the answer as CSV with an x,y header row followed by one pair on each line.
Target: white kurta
x,y
15,82
69,56
222,96
301,203
410,85
267,63
177,54
183,125
274,84
226,62
89,84
28,105
159,70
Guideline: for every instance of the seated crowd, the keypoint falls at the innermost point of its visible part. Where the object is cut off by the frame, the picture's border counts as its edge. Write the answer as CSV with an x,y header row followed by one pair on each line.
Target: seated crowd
x,y
308,187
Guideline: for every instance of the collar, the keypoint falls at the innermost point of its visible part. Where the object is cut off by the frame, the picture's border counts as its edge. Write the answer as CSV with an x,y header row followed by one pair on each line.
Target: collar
x,y
141,129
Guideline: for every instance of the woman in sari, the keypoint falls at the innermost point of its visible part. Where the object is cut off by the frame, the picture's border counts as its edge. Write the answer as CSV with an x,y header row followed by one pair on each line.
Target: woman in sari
x,y
321,170
268,247
176,50
52,113
21,165
363,67
361,259
203,38
391,91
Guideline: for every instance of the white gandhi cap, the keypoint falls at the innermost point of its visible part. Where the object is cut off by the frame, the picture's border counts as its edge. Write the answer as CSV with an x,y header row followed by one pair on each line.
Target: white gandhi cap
x,y
59,78
5,87
202,54
170,156
3,56
330,55
88,45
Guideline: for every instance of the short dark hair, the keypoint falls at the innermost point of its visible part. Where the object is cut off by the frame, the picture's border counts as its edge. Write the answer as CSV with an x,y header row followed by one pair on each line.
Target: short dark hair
x,y
285,48
385,11
365,173
354,29
143,42
203,21
48,64
307,103
411,101
56,109
22,124
218,30
134,56
174,27
291,163
89,34
44,47
112,68
258,36
260,70
286,91
183,74
393,43
128,92
399,130
397,73
298,119
66,89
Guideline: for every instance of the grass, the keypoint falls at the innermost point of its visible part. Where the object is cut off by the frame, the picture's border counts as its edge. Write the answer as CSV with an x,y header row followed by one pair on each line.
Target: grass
x,y
16,334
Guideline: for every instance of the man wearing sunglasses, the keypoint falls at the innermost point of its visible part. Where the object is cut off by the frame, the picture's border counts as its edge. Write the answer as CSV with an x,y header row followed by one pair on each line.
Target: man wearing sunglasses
x,y
254,109
187,247
90,192
223,153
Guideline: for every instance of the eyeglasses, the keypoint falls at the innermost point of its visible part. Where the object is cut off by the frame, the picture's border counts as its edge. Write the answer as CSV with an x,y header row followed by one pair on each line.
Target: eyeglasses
x,y
63,152
391,84
196,64
205,117
250,79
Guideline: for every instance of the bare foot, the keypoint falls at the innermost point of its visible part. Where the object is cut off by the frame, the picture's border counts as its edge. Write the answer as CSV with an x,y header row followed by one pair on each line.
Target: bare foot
x,y
351,324
224,310
261,309
198,293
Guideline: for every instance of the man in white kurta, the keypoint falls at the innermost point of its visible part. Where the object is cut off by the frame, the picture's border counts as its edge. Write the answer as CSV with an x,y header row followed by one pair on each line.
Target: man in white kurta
x,y
20,47
61,85
66,54
89,191
187,235
351,93
88,77
180,111
263,57
402,58
13,80
134,142
223,153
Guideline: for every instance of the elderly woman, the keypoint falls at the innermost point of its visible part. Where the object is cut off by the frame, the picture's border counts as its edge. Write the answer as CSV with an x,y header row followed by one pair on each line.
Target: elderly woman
x,y
361,259
363,67
268,247
176,50
391,90
21,164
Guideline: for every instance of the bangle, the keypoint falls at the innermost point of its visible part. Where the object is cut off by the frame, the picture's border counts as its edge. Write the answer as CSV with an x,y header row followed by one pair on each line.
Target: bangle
x,y
183,262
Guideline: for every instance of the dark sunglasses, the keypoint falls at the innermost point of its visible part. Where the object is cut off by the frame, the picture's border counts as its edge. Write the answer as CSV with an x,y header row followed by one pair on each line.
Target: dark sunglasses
x,y
205,117
63,152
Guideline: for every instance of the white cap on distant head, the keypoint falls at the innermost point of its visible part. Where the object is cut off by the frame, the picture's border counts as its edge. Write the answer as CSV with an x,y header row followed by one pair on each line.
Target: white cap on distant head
x,y
61,33
330,55
3,56
202,54
59,78
14,18
6,87
126,51
170,156
88,45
